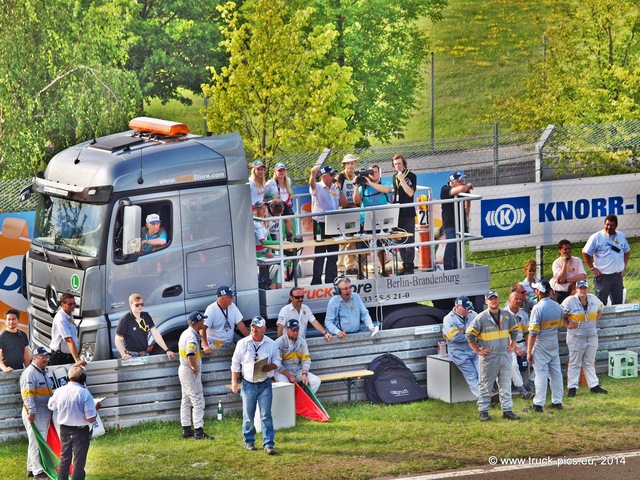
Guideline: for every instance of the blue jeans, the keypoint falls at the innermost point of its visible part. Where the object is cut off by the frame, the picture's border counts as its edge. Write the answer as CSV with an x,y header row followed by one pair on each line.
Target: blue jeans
x,y
257,394
450,259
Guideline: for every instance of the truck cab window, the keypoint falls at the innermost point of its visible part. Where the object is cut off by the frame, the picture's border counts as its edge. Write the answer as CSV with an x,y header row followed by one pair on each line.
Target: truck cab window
x,y
153,229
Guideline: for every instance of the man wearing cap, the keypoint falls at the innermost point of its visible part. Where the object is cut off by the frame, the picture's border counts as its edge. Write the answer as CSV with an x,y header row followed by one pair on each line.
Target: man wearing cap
x,y
457,185
514,306
606,254
190,375
257,357
36,388
566,270
543,350
346,312
454,326
14,344
325,196
77,410
297,310
492,335
296,361
347,185
221,318
405,183
154,237
581,312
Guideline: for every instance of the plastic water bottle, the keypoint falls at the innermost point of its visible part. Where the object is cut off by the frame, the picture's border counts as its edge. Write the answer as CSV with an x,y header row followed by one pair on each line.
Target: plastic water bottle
x,y
220,410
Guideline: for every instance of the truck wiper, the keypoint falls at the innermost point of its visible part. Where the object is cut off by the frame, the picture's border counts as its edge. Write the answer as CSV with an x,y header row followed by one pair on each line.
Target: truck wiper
x,y
44,250
73,255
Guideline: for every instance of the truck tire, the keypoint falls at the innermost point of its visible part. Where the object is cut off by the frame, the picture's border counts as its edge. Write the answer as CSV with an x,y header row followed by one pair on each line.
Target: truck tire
x,y
414,315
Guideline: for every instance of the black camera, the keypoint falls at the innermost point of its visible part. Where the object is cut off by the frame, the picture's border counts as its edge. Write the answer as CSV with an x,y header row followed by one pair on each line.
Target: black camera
x,y
361,174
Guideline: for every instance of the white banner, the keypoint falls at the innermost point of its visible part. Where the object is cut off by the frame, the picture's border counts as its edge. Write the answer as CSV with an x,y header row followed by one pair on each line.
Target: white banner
x,y
534,214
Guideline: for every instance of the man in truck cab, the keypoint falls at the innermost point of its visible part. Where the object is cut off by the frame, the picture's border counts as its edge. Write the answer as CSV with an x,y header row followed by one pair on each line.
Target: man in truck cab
x,y
154,237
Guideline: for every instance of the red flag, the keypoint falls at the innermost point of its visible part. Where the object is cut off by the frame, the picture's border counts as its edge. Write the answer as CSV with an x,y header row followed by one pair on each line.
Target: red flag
x,y
54,440
308,408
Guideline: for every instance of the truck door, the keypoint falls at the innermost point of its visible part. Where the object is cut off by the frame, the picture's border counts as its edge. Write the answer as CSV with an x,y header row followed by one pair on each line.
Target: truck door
x,y
207,240
157,275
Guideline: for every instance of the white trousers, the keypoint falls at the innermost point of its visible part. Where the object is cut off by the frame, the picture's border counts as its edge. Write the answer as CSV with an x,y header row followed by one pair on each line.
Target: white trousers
x,y
192,404
43,417
314,382
582,354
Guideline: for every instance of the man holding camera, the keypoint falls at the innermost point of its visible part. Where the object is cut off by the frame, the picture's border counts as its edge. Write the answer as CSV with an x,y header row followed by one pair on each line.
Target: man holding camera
x,y
347,185
372,192
606,253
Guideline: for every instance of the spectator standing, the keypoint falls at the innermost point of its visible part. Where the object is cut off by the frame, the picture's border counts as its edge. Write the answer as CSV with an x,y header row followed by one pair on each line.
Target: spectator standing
x,y
257,183
454,326
581,314
295,358
543,350
221,319
325,196
132,332
257,357
405,183
606,254
296,310
65,344
346,312
36,388
530,271
457,185
372,194
514,306
190,375
492,335
14,344
566,270
154,237
280,187
346,183
76,411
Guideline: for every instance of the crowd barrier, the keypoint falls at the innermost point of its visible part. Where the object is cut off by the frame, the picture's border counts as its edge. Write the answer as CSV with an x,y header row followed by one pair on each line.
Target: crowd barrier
x,y
141,392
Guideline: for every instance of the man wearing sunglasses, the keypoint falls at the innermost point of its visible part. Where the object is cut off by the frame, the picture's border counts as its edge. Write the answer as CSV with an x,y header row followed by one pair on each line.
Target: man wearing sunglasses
x,y
296,310
133,332
65,344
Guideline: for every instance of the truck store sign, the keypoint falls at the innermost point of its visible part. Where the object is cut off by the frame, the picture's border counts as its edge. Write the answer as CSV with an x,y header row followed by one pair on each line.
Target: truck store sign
x,y
526,215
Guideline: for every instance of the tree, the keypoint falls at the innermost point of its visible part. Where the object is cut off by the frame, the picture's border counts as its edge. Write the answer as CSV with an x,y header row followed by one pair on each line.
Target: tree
x,y
591,75
387,50
278,90
174,43
61,78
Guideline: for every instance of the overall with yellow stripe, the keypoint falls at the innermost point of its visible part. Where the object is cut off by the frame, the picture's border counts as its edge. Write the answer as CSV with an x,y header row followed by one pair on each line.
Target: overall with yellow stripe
x,y
36,389
192,404
295,360
497,365
545,320
583,340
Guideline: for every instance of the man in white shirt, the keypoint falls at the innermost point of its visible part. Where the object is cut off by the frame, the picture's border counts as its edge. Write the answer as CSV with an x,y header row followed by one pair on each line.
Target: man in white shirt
x,y
65,344
222,316
296,310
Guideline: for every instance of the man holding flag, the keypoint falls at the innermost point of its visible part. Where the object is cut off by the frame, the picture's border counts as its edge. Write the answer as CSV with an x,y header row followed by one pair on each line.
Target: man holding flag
x,y
36,389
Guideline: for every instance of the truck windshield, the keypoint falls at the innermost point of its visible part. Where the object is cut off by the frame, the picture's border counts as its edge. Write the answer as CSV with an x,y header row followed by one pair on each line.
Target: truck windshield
x,y
67,226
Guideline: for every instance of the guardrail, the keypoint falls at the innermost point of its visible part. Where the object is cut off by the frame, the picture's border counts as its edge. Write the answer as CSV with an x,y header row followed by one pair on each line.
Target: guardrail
x,y
137,393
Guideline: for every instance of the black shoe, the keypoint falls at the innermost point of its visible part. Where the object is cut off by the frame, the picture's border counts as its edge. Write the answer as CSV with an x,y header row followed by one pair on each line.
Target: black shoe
x,y
599,389
29,474
187,432
250,446
557,406
572,392
199,434
41,476
534,408
509,415
270,450
484,416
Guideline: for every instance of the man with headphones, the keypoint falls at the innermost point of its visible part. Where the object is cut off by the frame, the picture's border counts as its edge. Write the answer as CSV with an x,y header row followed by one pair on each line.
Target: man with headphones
x,y
76,411
346,311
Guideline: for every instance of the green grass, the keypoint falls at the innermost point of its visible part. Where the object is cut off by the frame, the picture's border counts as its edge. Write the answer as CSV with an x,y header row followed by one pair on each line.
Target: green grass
x,y
365,441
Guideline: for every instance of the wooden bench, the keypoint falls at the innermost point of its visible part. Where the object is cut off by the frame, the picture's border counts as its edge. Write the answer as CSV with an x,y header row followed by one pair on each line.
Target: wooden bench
x,y
350,378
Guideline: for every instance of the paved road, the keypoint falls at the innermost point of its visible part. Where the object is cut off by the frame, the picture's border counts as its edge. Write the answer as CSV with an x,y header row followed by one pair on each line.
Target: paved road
x,y
618,466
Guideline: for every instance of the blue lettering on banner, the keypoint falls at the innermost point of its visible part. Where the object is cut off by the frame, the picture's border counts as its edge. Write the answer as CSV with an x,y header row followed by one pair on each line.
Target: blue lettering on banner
x,y
10,274
505,217
581,209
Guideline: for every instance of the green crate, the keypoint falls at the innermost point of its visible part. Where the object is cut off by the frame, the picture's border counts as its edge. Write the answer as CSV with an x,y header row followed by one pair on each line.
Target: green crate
x,y
623,364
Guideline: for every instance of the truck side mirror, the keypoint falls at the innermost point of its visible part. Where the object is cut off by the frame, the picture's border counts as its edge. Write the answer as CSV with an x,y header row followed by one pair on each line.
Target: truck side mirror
x,y
132,219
